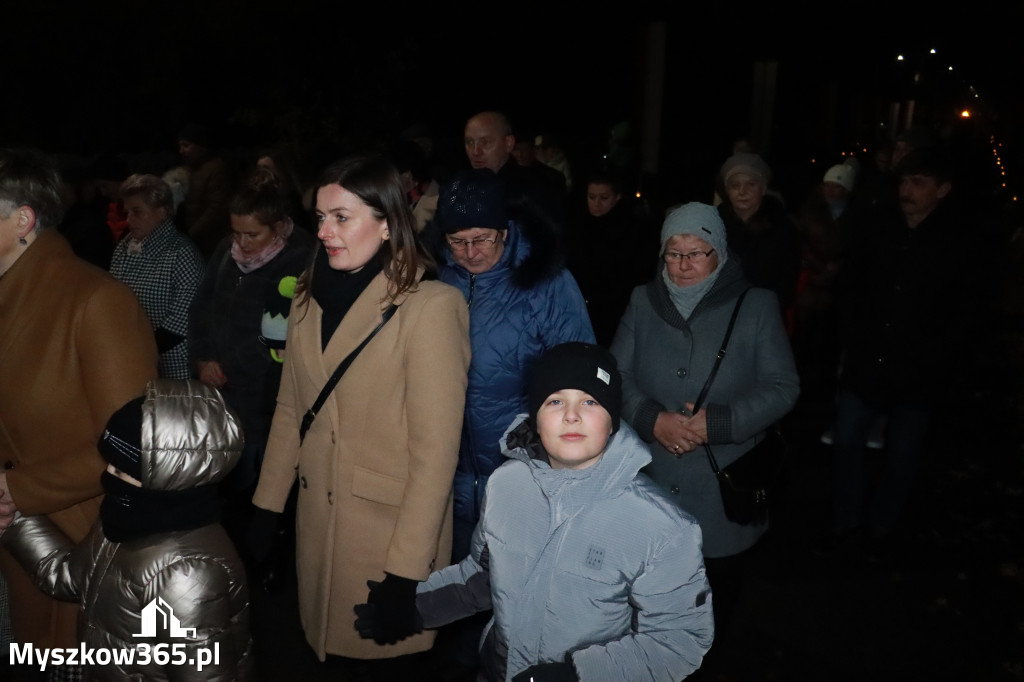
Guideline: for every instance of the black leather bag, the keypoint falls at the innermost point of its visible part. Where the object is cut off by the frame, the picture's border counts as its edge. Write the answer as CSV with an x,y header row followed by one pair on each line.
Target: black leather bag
x,y
745,484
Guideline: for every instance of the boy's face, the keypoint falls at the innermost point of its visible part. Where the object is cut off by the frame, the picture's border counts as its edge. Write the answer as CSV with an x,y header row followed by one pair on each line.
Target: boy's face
x,y
127,478
574,429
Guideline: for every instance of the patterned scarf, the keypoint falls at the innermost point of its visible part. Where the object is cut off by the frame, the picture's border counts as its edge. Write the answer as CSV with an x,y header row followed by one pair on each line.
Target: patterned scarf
x,y
256,261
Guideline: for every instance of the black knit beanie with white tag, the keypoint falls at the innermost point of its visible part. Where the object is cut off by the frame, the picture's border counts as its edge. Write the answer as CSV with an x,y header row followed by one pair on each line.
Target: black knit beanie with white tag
x,y
581,366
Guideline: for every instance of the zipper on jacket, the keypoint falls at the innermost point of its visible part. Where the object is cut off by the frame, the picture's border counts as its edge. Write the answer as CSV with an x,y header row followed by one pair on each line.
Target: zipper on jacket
x,y
469,430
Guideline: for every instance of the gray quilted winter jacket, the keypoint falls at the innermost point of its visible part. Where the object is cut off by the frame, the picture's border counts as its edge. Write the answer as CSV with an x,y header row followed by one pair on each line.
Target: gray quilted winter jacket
x,y
594,566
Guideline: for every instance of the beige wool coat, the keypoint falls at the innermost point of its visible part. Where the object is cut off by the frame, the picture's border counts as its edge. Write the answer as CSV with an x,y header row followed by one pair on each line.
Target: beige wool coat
x,y
375,470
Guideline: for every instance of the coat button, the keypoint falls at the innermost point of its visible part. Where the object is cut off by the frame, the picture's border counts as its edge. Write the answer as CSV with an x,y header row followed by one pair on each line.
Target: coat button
x,y
302,480
8,465
330,497
674,490
681,372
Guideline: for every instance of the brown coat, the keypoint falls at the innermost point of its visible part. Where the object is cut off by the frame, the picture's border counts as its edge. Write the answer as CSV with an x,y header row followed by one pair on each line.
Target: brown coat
x,y
375,471
74,347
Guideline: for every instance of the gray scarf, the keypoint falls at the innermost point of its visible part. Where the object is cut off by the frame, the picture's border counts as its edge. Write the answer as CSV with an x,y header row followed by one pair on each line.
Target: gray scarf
x,y
685,299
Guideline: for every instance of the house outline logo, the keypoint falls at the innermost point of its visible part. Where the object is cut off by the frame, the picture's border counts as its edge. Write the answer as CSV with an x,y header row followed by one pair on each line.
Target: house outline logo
x,y
160,610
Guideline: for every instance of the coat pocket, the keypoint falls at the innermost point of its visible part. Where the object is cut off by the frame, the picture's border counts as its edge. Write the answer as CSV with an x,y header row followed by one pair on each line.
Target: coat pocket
x,y
377,487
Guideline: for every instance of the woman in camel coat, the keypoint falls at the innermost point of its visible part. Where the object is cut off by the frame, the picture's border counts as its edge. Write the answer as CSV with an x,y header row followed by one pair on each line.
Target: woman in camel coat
x,y
375,469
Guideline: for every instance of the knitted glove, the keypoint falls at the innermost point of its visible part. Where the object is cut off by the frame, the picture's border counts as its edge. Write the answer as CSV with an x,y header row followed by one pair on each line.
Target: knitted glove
x,y
548,672
391,614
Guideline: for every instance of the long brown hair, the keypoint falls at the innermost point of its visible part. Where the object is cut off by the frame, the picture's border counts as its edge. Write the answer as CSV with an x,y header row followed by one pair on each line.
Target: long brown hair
x,y
377,184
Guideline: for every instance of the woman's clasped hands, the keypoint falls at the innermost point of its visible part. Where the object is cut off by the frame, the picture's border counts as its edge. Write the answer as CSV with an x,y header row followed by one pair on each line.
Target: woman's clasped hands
x,y
679,432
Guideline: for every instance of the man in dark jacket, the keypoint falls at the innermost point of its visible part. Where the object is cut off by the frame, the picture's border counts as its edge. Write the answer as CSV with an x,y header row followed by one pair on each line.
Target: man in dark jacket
x,y
898,340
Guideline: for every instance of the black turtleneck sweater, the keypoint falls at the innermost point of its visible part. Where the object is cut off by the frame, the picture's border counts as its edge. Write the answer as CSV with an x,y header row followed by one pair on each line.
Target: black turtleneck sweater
x,y
336,290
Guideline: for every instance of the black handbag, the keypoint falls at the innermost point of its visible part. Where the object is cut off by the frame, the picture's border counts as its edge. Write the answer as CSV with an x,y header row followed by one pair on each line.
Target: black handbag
x,y
745,484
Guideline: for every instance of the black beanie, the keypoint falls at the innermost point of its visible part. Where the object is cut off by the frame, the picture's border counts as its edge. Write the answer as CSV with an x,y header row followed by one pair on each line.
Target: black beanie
x,y
121,442
581,366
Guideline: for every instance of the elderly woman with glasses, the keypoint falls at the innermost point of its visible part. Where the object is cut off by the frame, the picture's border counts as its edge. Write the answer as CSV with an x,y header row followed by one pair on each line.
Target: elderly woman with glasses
x,y
161,265
521,303
666,346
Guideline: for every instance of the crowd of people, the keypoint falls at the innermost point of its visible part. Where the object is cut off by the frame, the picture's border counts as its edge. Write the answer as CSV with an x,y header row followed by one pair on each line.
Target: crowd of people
x,y
493,394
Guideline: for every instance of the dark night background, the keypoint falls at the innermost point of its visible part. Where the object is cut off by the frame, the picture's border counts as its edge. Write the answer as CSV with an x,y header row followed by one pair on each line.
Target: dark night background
x,y
120,76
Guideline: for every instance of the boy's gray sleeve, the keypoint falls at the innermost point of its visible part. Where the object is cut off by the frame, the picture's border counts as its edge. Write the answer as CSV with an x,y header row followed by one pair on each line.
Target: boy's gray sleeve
x,y
46,554
674,620
459,590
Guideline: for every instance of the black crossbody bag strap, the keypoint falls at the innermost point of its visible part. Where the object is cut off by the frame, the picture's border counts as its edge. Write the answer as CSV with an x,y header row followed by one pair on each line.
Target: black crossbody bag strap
x,y
714,372
721,354
307,419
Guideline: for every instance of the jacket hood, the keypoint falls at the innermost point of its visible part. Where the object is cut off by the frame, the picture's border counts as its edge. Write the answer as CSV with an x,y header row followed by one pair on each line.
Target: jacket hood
x,y
624,456
190,437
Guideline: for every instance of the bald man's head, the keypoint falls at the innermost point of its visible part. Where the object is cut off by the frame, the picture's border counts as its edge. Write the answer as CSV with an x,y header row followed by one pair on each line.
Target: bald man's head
x,y
489,140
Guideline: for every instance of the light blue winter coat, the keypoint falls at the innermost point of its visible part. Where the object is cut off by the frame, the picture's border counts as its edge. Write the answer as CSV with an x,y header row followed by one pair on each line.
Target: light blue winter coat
x,y
594,563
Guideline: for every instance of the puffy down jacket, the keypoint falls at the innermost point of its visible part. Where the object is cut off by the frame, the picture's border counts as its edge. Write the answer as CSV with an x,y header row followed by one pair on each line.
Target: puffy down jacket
x,y
188,439
513,319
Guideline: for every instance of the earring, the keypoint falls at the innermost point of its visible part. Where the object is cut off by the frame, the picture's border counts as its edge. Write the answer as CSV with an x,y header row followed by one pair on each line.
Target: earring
x,y
21,240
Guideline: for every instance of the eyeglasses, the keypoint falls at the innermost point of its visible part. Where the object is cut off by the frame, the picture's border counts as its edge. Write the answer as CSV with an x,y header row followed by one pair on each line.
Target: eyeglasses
x,y
693,256
478,243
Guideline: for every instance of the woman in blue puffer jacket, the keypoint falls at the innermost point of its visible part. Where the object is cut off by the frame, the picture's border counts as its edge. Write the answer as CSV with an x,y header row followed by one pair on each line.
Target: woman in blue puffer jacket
x,y
522,301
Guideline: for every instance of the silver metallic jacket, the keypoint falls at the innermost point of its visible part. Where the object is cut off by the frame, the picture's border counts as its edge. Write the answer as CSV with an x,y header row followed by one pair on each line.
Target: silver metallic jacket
x,y
185,583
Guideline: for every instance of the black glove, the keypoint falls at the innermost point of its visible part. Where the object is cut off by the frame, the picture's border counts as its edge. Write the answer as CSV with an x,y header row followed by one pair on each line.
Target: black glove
x,y
390,615
262,532
548,672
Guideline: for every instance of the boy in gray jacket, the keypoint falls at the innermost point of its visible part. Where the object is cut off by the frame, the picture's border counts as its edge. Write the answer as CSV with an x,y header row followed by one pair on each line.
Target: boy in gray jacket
x,y
592,573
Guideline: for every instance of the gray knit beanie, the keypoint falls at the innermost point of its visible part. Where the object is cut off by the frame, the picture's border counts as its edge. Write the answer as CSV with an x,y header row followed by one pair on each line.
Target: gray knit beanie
x,y
745,162
696,219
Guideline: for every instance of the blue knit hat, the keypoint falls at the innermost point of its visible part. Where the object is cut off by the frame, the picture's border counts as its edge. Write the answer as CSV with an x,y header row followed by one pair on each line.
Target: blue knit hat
x,y
473,198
